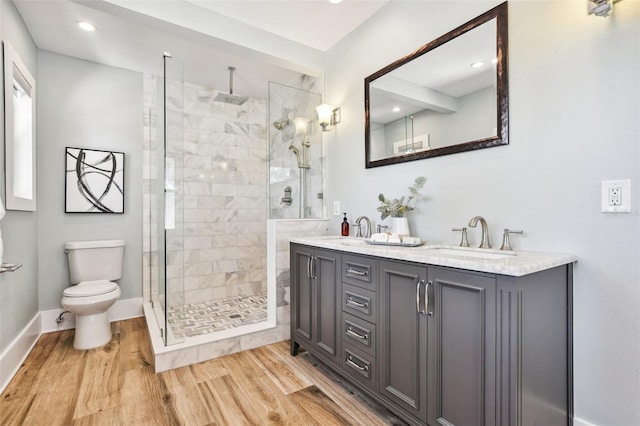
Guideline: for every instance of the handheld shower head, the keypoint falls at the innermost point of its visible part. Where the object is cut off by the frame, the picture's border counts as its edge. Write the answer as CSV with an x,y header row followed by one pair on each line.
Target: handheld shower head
x,y
294,150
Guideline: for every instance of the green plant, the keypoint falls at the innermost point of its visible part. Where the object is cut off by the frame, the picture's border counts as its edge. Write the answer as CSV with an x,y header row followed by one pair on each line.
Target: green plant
x,y
399,206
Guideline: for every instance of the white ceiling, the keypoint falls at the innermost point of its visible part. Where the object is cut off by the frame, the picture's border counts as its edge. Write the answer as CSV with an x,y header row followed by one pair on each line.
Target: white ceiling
x,y
264,40
315,23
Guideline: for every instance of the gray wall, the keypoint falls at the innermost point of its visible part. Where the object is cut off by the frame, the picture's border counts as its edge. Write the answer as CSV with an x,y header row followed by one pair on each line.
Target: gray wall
x,y
574,104
87,105
18,290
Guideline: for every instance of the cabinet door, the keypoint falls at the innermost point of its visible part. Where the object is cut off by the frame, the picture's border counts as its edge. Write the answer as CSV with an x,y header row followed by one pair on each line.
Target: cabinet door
x,y
326,274
462,336
301,292
403,337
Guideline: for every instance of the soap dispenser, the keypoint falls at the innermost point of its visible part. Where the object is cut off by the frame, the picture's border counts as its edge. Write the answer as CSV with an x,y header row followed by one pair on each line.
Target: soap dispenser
x,y
345,226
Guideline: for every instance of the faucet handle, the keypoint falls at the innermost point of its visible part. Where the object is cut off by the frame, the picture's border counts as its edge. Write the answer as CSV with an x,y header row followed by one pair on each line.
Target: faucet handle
x,y
506,244
464,242
381,228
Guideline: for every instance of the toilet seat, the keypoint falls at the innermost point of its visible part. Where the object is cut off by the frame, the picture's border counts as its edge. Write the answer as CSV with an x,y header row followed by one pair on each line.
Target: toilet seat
x,y
90,288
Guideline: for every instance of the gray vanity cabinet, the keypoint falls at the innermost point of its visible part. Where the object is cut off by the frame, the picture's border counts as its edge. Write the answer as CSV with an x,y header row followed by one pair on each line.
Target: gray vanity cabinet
x,y
461,347
315,301
402,337
439,346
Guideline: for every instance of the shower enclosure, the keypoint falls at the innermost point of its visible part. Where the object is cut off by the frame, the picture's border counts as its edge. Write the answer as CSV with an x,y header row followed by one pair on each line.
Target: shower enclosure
x,y
208,176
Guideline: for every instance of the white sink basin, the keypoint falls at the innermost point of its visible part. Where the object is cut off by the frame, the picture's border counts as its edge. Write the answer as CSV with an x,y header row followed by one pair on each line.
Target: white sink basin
x,y
469,252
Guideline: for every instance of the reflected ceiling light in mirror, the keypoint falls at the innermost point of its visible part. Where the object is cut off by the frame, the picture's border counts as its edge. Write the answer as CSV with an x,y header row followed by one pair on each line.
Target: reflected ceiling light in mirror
x,y
328,116
477,64
396,109
89,27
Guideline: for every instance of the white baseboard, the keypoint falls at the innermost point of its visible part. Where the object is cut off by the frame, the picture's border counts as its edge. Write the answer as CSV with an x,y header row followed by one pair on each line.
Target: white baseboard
x,y
45,322
121,310
18,350
580,422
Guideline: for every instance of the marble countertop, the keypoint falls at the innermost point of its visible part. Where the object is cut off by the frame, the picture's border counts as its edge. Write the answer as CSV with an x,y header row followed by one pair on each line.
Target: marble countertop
x,y
514,263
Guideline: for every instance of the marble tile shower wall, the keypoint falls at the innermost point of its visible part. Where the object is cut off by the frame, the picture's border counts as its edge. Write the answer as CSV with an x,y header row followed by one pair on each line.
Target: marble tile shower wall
x,y
218,248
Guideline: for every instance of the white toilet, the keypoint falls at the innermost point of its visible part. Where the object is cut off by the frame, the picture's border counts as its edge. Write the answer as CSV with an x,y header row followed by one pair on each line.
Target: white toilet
x,y
93,266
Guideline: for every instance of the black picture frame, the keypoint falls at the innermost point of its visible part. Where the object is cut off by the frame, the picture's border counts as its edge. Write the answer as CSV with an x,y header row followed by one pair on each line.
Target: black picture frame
x,y
94,181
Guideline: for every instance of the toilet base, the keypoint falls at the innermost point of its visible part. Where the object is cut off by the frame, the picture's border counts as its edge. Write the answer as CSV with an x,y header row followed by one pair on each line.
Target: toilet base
x,y
92,331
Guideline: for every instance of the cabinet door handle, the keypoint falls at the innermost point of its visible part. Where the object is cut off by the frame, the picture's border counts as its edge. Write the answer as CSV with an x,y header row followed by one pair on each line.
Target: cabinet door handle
x,y
350,301
418,297
311,267
426,298
358,335
356,272
354,364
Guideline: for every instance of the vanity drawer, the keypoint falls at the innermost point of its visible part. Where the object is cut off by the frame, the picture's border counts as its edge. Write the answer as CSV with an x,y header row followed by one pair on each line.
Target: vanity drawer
x,y
359,366
359,271
359,333
359,302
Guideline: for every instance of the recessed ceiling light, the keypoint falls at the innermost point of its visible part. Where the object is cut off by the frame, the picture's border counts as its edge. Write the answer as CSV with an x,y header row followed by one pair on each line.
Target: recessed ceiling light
x,y
86,26
477,64
335,1
396,109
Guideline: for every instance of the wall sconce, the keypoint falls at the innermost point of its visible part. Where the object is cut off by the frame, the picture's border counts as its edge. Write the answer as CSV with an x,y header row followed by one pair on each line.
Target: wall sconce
x,y
328,116
600,7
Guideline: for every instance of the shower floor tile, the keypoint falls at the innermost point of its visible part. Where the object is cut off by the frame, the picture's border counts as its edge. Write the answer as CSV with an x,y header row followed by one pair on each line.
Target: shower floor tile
x,y
203,318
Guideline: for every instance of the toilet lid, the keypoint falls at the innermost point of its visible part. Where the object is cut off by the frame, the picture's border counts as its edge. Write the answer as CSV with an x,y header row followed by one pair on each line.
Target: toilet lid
x,y
90,288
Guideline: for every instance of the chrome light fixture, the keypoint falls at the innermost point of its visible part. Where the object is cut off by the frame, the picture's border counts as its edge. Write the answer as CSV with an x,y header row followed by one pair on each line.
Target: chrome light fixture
x,y
328,116
600,7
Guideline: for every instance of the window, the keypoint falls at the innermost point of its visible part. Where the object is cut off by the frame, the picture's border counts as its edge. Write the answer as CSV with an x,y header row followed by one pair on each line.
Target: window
x,y
20,153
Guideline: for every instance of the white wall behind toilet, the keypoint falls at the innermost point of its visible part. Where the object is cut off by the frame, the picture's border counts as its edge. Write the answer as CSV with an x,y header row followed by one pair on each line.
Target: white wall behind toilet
x,y
84,104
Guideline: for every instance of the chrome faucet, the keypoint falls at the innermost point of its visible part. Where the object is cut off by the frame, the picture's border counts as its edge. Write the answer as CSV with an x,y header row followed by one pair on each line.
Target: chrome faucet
x,y
485,230
358,225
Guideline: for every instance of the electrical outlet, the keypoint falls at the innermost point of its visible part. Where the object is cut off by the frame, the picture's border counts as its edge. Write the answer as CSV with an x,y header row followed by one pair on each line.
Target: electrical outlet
x,y
615,196
336,208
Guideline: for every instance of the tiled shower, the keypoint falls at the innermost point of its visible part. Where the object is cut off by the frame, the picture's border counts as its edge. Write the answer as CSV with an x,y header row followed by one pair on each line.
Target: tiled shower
x,y
205,248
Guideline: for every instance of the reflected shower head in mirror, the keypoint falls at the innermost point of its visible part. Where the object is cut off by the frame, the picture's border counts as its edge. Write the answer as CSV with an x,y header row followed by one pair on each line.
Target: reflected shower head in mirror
x,y
279,125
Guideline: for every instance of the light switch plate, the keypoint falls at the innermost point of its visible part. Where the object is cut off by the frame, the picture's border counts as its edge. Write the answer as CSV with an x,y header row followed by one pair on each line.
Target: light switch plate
x,y
336,208
615,196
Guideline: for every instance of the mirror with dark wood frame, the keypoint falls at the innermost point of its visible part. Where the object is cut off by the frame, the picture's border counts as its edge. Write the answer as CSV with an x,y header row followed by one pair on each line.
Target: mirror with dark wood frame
x,y
451,95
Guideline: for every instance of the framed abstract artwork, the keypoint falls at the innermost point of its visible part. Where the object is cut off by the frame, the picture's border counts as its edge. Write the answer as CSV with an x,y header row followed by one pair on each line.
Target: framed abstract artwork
x,y
94,181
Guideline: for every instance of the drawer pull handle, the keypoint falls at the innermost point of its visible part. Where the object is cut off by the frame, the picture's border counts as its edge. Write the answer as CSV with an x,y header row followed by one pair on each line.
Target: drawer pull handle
x,y
358,335
350,301
356,272
355,365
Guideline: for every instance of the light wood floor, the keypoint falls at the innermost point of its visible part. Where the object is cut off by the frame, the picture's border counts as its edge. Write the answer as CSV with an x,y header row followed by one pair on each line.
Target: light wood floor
x,y
116,385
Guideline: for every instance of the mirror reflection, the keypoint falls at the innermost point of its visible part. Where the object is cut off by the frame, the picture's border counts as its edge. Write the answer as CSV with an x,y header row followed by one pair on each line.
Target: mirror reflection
x,y
448,96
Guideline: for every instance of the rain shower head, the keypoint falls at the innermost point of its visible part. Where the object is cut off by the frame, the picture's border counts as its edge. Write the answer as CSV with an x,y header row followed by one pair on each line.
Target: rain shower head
x,y
281,124
230,98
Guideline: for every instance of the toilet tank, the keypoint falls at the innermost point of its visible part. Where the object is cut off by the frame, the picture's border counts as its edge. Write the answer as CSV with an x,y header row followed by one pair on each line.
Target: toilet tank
x,y
94,260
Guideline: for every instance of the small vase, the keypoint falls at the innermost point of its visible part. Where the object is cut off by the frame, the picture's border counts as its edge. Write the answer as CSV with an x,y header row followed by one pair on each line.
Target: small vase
x,y
400,226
